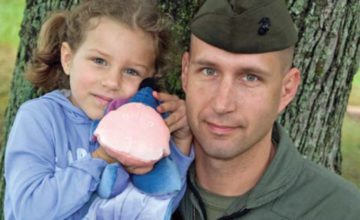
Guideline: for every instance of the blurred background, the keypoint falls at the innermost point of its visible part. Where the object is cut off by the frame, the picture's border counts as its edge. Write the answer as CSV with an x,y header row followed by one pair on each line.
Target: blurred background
x,y
10,21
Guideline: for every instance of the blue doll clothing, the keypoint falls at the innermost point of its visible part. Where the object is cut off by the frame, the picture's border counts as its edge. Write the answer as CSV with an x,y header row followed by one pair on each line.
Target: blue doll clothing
x,y
134,203
154,195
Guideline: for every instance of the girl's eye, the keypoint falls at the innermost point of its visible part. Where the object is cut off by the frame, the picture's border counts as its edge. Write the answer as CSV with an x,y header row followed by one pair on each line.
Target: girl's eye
x,y
250,78
208,71
131,72
99,61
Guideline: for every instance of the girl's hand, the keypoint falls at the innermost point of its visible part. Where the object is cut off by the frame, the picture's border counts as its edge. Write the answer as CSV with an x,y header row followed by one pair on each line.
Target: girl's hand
x,y
177,121
138,170
101,154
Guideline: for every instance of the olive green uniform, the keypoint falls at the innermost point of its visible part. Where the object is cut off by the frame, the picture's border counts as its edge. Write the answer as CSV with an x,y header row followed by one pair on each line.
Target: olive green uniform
x,y
291,188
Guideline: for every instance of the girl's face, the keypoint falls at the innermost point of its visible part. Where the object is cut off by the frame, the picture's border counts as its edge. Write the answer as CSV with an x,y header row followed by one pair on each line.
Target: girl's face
x,y
109,64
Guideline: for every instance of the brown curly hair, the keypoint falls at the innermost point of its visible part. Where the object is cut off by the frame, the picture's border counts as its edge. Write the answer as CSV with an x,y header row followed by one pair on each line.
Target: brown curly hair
x,y
45,70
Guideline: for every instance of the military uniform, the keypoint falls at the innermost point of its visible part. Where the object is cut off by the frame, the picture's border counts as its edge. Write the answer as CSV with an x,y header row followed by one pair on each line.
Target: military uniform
x,y
291,188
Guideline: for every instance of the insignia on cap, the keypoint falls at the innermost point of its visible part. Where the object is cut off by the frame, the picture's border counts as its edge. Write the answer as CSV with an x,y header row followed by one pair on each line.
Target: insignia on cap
x,y
265,24
245,26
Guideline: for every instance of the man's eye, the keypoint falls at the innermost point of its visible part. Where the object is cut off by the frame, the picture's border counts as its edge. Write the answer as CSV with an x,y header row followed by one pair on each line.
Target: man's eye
x,y
99,61
131,72
250,78
208,71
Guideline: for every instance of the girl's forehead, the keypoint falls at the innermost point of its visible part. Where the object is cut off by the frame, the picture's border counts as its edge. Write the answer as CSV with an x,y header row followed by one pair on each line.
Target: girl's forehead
x,y
119,42
109,24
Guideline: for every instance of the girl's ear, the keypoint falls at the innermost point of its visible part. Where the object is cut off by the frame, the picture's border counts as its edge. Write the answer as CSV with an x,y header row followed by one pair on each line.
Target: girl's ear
x,y
66,57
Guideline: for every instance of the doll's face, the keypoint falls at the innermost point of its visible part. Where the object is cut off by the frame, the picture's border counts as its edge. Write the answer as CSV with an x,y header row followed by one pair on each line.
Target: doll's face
x,y
144,135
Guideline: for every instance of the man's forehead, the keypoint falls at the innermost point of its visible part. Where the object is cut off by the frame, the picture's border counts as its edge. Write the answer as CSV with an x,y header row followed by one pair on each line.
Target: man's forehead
x,y
202,54
203,47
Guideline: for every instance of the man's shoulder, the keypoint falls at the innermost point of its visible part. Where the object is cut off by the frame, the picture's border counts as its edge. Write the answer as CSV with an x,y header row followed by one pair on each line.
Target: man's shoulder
x,y
324,180
319,193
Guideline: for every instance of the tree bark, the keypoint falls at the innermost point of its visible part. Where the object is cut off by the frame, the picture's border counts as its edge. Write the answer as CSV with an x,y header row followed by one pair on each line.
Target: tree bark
x,y
328,55
34,13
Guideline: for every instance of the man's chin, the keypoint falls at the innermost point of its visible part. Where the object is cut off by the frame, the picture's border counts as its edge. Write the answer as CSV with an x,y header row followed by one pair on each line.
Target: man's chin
x,y
219,148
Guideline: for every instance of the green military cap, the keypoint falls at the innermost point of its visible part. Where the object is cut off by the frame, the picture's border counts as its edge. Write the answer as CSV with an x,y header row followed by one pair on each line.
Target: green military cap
x,y
245,26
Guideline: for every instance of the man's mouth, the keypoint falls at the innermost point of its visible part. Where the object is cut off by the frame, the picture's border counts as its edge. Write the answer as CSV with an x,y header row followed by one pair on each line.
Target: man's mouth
x,y
220,129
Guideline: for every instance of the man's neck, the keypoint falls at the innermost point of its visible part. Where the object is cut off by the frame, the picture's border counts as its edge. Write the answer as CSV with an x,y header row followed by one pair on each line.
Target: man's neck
x,y
236,176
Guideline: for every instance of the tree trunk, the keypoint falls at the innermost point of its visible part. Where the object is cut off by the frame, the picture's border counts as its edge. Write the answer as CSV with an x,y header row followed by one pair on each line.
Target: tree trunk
x,y
21,90
327,54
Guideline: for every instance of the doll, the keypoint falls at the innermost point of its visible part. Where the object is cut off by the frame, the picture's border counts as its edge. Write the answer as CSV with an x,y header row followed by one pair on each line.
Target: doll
x,y
134,133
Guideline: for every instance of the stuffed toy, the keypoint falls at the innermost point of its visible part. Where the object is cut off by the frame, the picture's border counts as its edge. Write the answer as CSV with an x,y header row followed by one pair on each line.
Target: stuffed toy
x,y
134,133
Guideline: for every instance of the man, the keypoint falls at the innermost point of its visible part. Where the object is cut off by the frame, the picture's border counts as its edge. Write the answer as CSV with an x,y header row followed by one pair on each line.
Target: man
x,y
238,77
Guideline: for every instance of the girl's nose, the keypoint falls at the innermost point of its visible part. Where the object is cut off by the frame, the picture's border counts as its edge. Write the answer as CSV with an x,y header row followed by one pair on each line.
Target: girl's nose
x,y
112,80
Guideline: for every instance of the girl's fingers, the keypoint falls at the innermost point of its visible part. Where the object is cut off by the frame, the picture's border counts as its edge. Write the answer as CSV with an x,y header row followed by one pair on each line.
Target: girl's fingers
x,y
101,153
176,121
163,97
138,170
172,106
177,112
178,125
169,103
173,118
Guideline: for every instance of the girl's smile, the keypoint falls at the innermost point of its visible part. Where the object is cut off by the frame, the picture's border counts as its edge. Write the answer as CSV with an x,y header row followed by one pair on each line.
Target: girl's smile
x,y
109,64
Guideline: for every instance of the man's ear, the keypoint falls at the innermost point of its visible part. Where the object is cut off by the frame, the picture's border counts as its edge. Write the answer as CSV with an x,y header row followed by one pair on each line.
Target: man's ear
x,y
185,69
66,57
290,84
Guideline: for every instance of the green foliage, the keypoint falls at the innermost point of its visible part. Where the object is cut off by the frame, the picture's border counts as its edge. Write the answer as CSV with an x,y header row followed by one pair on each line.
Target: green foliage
x,y
351,149
7,61
183,11
356,80
355,90
10,20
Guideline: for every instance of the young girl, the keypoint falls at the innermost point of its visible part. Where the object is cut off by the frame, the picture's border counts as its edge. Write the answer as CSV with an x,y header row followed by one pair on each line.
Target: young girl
x,y
87,57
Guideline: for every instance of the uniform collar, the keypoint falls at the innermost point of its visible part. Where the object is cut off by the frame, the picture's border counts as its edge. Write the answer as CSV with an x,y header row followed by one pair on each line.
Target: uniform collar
x,y
281,173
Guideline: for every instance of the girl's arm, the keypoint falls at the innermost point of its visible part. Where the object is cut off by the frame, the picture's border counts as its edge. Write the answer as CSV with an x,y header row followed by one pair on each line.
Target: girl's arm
x,y
132,203
37,186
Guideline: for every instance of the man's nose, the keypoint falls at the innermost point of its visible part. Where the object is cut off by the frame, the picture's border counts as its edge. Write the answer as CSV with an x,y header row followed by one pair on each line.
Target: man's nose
x,y
224,100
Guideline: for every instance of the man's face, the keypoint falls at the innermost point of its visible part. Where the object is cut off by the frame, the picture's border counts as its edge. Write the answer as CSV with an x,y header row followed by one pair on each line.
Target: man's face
x,y
232,99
